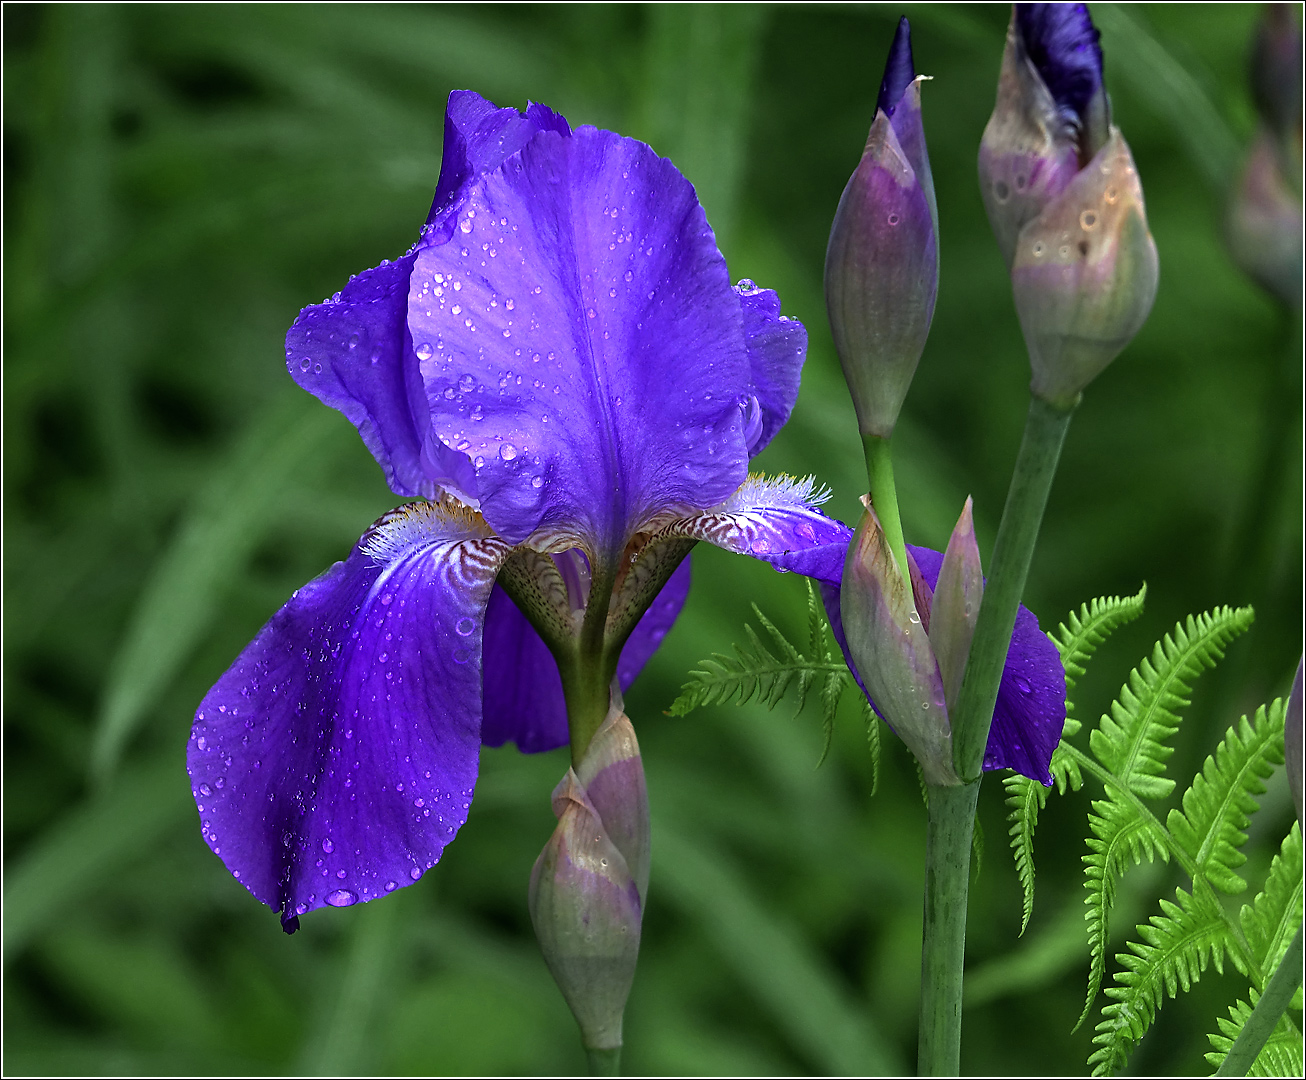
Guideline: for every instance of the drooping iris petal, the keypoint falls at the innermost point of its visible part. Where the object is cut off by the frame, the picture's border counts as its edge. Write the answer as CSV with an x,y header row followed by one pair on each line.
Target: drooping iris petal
x,y
478,137
336,758
580,342
776,348
352,353
523,690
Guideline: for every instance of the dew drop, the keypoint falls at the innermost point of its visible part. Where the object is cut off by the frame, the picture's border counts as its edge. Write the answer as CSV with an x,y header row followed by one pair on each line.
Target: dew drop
x,y
465,626
1087,220
1001,192
205,790
537,482
390,886
424,351
466,384
894,219
1037,250
341,898
306,363
415,872
507,451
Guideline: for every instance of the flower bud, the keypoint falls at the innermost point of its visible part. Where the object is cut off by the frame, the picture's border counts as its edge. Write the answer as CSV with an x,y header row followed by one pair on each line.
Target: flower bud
x,y
954,608
888,643
1276,70
882,263
1051,116
1264,227
1084,275
588,885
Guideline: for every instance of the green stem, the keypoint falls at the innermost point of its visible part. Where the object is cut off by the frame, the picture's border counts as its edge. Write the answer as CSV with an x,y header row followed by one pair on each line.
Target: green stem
x,y
884,495
1036,464
604,1062
947,885
587,671
1266,1012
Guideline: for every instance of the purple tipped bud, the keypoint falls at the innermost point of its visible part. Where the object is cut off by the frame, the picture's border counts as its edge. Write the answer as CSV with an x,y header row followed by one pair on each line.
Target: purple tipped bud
x,y
882,264
1264,227
955,605
588,885
1051,116
1292,742
1276,69
1085,275
887,639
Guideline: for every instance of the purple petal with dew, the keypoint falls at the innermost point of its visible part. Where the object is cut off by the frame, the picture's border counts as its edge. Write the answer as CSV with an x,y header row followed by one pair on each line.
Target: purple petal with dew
x,y
336,758
353,353
581,344
1063,45
523,691
777,346
479,137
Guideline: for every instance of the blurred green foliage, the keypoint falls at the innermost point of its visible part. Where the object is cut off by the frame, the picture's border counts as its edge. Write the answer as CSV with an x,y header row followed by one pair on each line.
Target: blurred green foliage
x,y
180,180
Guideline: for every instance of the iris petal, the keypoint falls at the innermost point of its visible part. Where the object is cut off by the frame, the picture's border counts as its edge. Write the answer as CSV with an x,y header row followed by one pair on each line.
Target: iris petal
x,y
337,756
776,349
580,342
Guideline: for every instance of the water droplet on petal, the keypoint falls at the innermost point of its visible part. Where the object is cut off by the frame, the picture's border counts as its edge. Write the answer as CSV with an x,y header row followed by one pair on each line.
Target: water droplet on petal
x,y
507,451
341,898
424,351
465,626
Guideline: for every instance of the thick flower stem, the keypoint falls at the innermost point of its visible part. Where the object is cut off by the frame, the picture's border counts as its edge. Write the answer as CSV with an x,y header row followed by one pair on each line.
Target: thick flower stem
x,y
1013,551
947,884
604,1062
1265,1015
884,495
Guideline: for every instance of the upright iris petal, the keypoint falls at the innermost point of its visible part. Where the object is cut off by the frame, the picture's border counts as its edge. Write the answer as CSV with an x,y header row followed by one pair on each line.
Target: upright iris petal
x,y
562,375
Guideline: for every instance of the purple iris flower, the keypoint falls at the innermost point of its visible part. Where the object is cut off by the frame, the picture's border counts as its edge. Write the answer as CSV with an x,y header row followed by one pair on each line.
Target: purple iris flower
x,y
1031,708
562,376
1063,45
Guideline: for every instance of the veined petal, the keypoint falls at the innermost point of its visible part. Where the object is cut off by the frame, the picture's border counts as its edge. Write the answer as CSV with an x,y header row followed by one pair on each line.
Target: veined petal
x,y
776,520
350,352
580,342
336,758
523,690
777,346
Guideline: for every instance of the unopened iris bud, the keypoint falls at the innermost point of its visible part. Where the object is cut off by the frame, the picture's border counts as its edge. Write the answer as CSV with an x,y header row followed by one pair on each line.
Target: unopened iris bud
x,y
588,885
1052,115
909,644
1292,742
1264,228
1276,70
1084,275
882,263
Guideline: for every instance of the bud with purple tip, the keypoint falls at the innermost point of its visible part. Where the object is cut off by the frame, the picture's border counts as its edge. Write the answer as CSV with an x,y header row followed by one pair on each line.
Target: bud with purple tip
x,y
882,263
910,643
588,886
1292,741
1065,203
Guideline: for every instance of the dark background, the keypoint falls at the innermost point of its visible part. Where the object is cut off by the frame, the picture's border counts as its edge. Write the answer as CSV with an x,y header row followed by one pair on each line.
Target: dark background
x,y
181,180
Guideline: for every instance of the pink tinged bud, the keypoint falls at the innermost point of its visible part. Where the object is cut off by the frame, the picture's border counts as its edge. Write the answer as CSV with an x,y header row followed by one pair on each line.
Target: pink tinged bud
x,y
882,266
1084,275
955,605
888,642
1264,228
586,901
1292,742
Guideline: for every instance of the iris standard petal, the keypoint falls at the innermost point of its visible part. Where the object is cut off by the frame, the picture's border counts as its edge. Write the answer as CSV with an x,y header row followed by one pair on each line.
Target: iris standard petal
x,y
1063,45
523,690
776,346
353,353
478,137
336,758
581,344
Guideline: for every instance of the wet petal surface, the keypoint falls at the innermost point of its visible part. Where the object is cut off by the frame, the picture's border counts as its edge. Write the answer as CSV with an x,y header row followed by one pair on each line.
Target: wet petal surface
x,y
336,758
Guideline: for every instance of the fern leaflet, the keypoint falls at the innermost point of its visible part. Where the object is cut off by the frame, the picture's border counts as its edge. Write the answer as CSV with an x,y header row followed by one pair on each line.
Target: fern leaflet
x,y
1130,742
1282,1053
1218,805
1270,921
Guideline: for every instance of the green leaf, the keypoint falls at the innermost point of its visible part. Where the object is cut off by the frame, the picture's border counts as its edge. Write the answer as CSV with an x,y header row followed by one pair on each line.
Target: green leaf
x,y
1130,742
1280,1056
177,606
1216,808
1176,947
1079,636
1270,921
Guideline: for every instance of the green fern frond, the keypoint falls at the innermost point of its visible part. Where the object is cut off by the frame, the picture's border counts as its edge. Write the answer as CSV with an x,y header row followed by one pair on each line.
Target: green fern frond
x,y
1130,742
1282,1053
1270,921
1177,946
1120,834
754,672
1076,640
1216,808
1079,636
872,723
